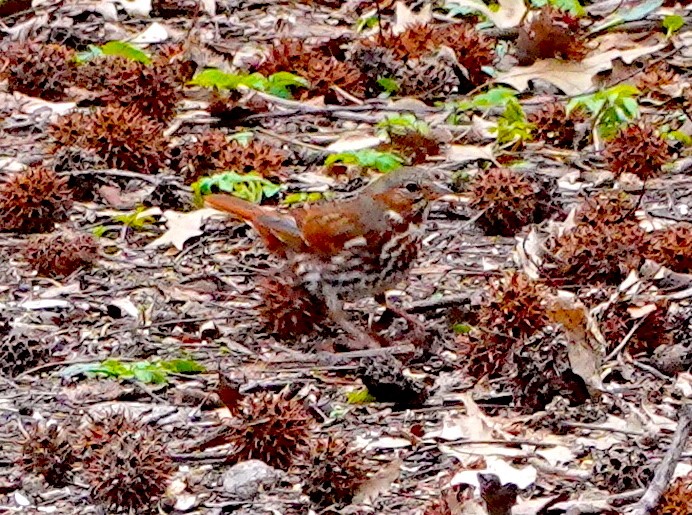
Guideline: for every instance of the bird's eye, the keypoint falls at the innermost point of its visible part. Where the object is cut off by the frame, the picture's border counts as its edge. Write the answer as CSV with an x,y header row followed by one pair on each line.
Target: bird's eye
x,y
412,187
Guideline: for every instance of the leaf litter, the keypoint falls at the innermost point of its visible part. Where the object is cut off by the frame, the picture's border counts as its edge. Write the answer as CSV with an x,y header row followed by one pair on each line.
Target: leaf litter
x,y
565,387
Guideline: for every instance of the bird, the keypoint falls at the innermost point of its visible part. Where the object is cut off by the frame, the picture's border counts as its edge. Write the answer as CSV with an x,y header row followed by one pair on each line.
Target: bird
x,y
341,251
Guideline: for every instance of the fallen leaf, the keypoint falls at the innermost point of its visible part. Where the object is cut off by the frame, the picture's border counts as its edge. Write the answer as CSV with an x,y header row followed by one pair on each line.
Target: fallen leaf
x,y
405,17
572,77
154,33
351,143
510,13
522,477
378,484
635,11
641,311
462,153
138,8
182,227
585,345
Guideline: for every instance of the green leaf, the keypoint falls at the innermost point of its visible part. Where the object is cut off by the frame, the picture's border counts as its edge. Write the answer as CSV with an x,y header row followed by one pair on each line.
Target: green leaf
x,y
366,22
631,107
680,136
215,78
494,97
135,220
149,372
305,197
359,397
183,366
250,187
367,158
571,6
512,125
99,231
280,84
462,328
388,85
672,23
126,50
403,124
91,53
112,368
114,48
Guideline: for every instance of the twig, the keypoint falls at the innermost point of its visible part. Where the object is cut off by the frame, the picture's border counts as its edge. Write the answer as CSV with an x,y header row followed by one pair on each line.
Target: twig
x,y
665,469
626,339
422,306
153,179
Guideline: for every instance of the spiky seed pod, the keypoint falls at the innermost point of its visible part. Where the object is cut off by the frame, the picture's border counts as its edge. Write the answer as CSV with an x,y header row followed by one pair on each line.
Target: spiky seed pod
x,y
334,473
255,156
33,200
285,55
429,77
601,252
513,311
385,380
177,58
72,159
270,427
20,352
288,311
608,207
212,152
413,146
416,41
40,70
671,247
639,150
321,69
126,464
543,370
231,111
507,199
48,451
655,79
653,333
621,468
175,8
60,254
473,50
153,88
516,306
553,125
375,63
677,499
551,33
123,136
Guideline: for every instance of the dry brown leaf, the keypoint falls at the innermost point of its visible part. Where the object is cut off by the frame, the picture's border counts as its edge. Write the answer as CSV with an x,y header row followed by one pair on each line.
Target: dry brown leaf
x,y
573,78
378,484
510,13
461,153
182,227
405,17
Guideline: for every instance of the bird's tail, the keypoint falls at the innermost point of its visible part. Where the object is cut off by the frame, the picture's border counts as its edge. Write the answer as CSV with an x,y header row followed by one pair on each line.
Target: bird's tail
x,y
238,207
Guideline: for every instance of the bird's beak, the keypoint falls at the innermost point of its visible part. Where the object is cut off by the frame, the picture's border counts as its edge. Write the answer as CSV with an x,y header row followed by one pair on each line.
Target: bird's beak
x,y
436,190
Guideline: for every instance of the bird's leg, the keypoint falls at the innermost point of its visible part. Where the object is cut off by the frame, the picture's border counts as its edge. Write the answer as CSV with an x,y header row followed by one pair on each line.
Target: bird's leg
x,y
339,316
391,311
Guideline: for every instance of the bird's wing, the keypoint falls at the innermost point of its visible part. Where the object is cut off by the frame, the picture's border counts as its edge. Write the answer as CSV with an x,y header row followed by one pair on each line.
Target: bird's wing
x,y
328,229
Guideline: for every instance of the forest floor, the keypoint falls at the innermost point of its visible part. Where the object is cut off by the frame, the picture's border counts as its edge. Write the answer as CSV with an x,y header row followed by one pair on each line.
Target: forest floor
x,y
554,285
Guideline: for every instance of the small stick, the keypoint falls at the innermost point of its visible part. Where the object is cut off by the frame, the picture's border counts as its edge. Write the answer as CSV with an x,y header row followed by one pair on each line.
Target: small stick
x,y
664,472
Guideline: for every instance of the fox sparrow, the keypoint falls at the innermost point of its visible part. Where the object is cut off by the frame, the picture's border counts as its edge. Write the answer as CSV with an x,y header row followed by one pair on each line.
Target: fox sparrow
x,y
342,251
